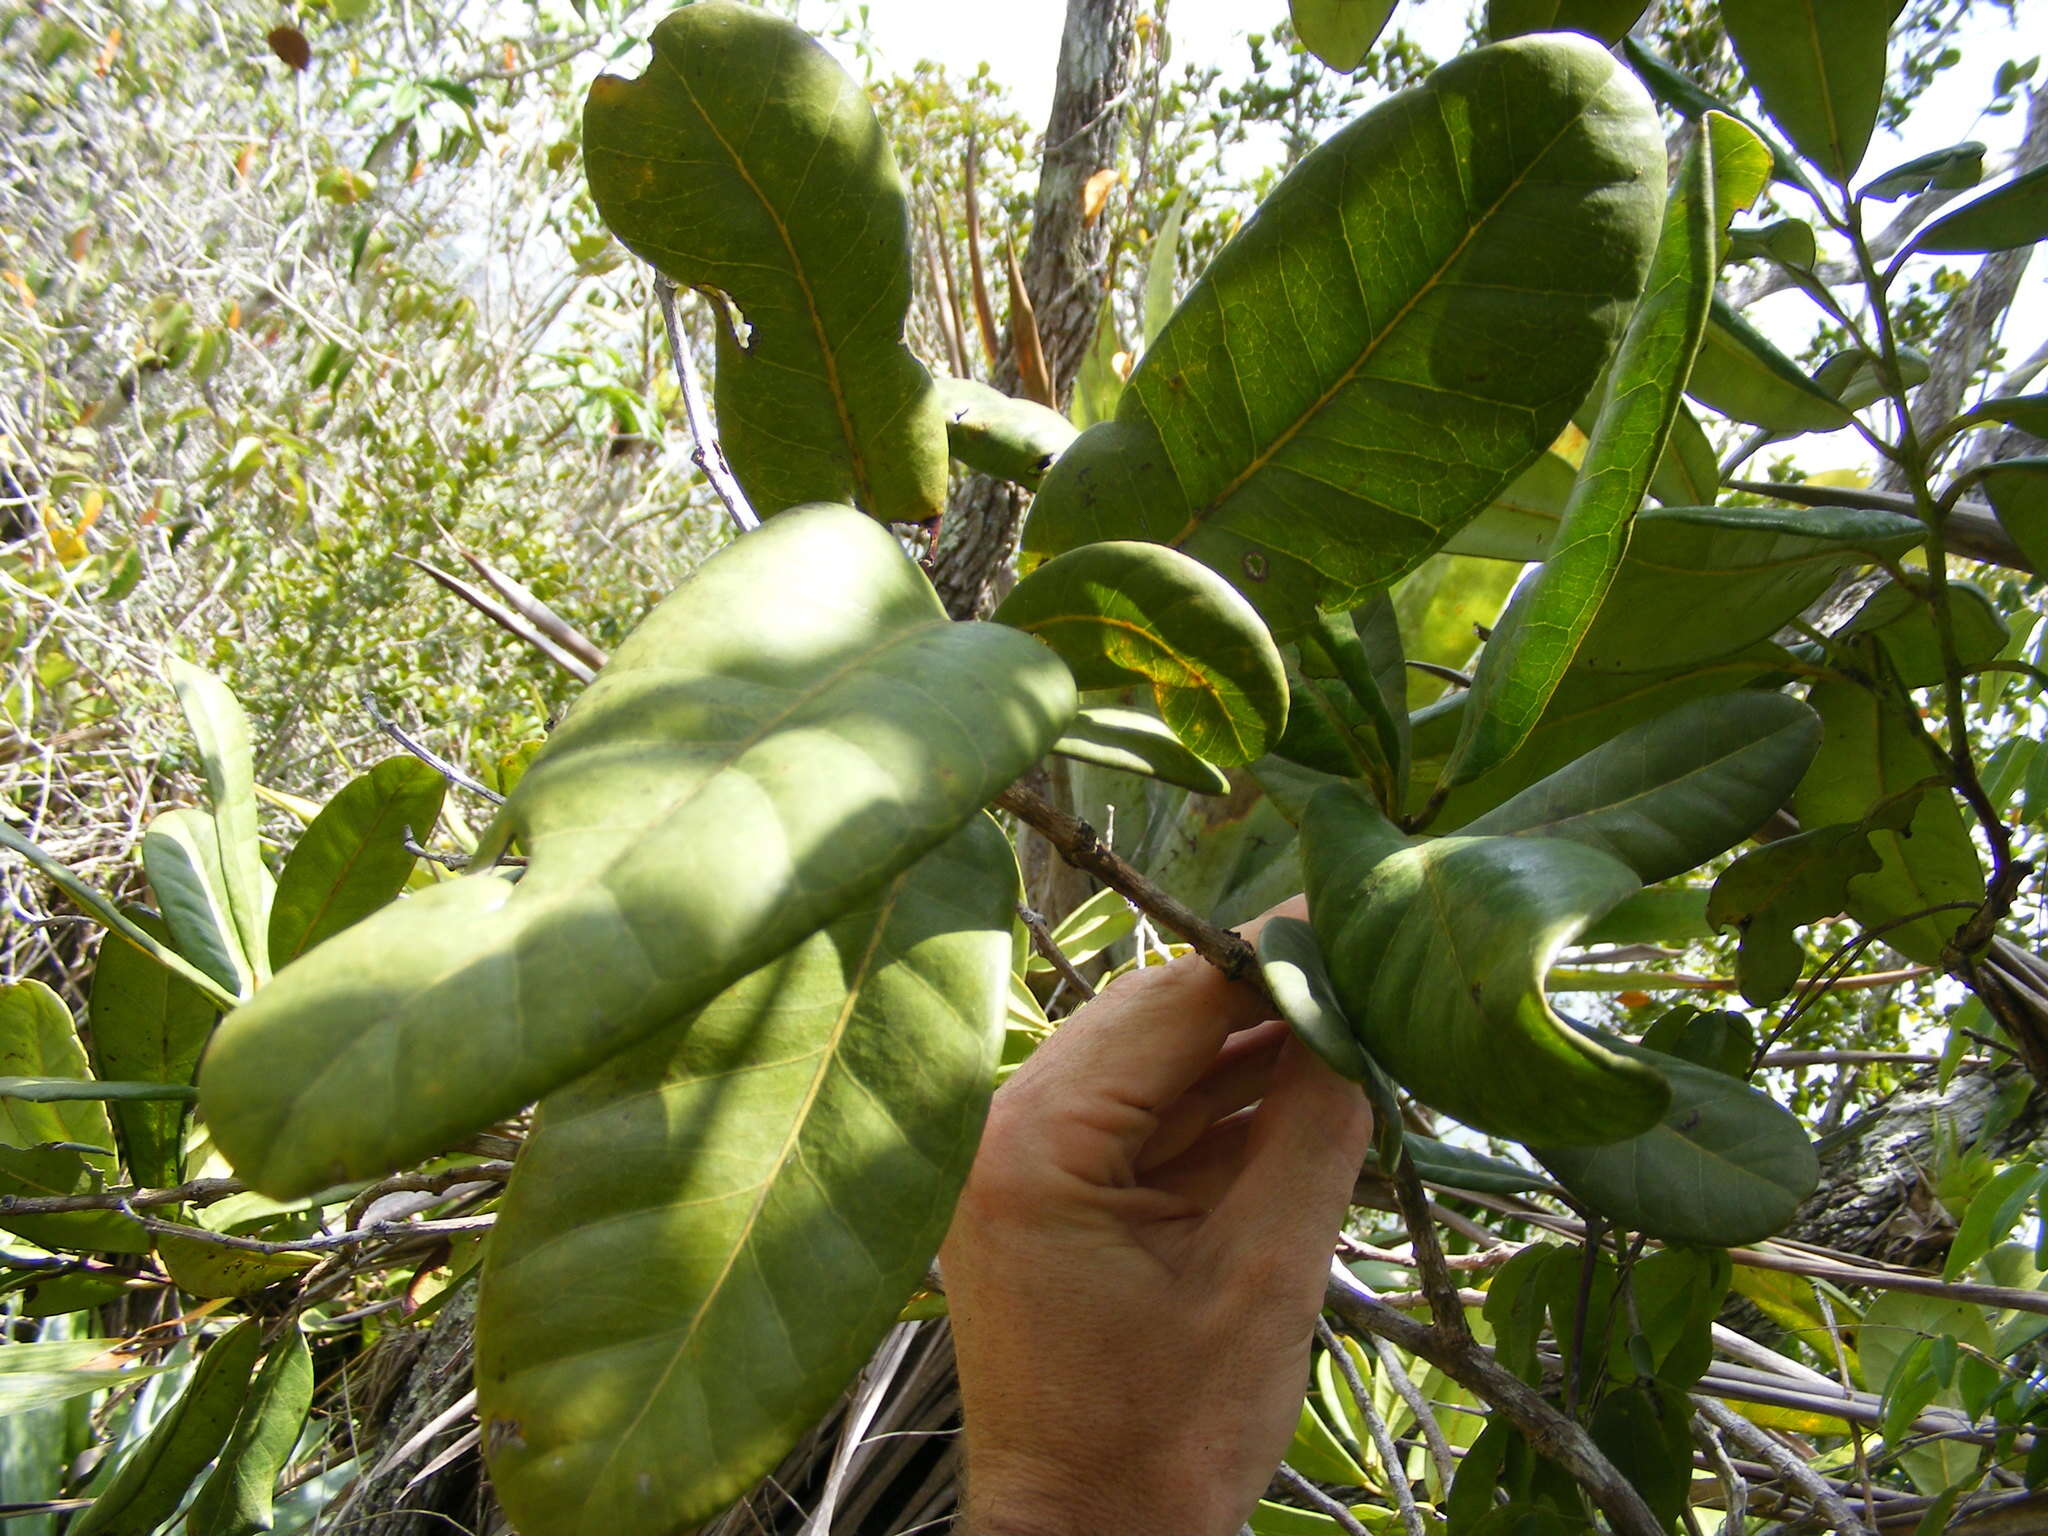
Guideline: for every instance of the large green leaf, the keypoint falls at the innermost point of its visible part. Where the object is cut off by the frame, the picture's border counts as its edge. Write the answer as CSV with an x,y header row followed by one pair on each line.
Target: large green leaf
x,y
1339,32
1134,742
1726,1165
705,1238
1668,795
1873,747
1953,169
236,1500
148,1025
1697,594
1292,967
1407,323
1001,435
1740,374
1772,890
38,1039
1819,68
1541,630
1437,948
1902,623
2003,219
1121,613
181,856
798,722
150,1483
352,859
1608,20
1443,607
746,161
1705,582
222,731
2018,491
1520,523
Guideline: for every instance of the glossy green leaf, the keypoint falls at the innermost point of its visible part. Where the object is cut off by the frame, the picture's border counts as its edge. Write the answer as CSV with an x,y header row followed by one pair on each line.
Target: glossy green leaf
x,y
797,723
1522,520
1270,1519
1700,583
1788,242
2018,492
1000,435
1993,1213
1725,1166
1719,1038
1901,622
1819,68
35,1375
746,161
1131,741
1674,90
2003,219
1315,1451
40,1137
1645,1430
1740,374
1607,20
352,859
652,1334
151,1480
1858,379
39,1041
1671,793
109,915
1102,920
236,1499
1872,749
2027,412
1772,890
1407,323
1339,32
1437,949
1292,967
1661,915
148,1025
1688,475
1123,613
222,732
1952,169
1443,1162
1540,631
181,857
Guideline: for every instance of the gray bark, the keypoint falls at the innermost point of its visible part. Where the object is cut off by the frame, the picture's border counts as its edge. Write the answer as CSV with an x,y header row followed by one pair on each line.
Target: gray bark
x,y
1066,274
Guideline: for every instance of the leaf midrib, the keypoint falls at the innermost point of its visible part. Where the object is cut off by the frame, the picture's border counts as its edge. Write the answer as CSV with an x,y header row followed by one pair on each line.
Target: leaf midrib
x,y
1199,515
803,282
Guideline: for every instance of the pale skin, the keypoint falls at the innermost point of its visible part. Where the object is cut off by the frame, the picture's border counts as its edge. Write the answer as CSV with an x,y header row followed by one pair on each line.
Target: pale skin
x,y
1136,1264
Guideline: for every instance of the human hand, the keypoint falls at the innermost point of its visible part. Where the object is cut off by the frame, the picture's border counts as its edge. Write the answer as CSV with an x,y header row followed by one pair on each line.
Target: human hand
x,y
1138,1259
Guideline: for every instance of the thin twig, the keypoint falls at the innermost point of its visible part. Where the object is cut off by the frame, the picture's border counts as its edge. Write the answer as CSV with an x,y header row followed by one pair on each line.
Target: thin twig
x,y
1336,1509
426,754
1376,1426
1425,1414
1445,1305
197,1192
1043,941
709,454
378,1231
1772,1452
1548,1431
1079,845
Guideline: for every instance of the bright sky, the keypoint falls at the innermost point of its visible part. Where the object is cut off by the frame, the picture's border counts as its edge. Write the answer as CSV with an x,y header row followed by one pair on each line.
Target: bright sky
x,y
1020,41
